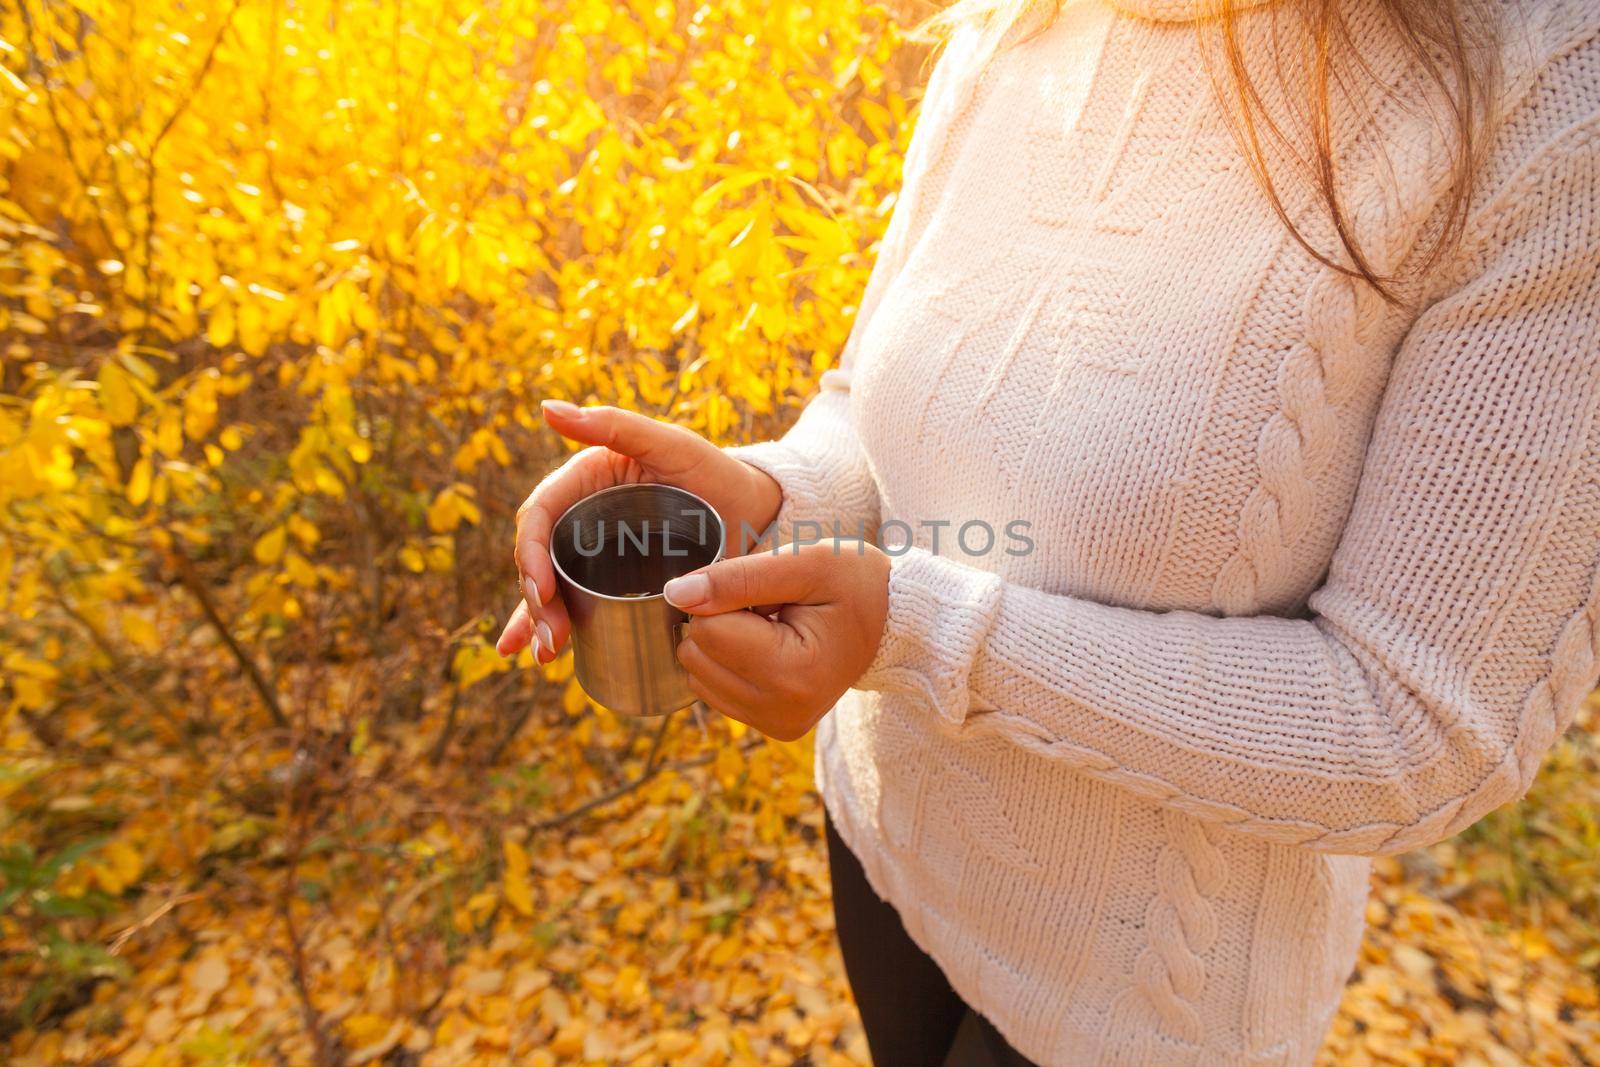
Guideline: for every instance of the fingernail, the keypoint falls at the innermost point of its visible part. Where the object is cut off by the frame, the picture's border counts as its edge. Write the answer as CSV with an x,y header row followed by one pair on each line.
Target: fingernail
x,y
562,408
500,644
530,590
547,640
688,591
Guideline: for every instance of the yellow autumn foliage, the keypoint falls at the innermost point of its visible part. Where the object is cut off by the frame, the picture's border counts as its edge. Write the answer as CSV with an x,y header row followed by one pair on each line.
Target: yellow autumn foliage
x,y
281,285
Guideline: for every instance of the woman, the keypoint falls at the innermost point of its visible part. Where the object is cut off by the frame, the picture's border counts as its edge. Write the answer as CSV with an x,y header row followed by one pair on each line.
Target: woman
x,y
1269,332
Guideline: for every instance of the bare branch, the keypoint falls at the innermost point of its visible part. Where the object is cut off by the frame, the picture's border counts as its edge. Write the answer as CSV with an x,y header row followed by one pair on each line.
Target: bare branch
x,y
651,770
197,587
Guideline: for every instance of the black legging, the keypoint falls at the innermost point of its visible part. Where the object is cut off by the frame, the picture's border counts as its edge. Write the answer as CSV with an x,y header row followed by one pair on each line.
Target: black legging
x,y
908,1009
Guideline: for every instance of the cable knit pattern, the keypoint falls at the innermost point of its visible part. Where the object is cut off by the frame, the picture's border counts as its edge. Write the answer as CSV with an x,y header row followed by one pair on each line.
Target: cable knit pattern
x,y
1324,372
1278,576
1293,442
1183,926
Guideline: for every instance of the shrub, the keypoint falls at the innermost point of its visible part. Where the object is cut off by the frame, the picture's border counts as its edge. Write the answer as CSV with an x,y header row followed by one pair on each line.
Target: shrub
x,y
281,284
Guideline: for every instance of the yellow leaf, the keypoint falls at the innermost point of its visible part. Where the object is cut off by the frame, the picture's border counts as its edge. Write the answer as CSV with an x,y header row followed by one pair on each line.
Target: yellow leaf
x,y
120,865
568,1041
169,434
475,662
270,545
518,893
304,530
331,316
674,1042
452,507
210,973
300,570
443,515
117,396
219,326
720,190
252,328
140,631
139,482
728,766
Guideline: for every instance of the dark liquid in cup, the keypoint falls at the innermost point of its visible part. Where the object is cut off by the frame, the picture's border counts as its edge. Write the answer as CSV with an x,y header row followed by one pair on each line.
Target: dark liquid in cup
x,y
631,561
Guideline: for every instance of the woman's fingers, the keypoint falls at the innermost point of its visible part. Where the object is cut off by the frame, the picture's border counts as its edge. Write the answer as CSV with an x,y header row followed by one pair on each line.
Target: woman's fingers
x,y
517,633
587,472
547,627
623,444
624,447
667,450
759,579
551,627
749,645
719,686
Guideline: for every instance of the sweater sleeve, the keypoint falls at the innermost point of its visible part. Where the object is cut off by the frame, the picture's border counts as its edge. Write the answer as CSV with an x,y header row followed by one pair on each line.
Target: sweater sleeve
x,y
1455,634
819,463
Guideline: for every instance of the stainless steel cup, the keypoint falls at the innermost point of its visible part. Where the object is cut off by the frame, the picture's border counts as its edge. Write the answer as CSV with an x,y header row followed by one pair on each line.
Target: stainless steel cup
x,y
613,551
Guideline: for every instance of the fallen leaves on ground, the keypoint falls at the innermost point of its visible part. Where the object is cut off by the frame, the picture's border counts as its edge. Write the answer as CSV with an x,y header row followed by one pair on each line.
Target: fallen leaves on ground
x,y
674,927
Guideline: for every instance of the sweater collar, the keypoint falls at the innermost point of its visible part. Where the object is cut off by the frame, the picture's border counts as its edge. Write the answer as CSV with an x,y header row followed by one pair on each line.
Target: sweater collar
x,y
1178,10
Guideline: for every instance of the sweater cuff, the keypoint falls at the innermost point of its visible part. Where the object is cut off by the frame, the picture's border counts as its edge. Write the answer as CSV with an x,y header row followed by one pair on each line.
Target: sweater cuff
x,y
796,476
827,489
940,613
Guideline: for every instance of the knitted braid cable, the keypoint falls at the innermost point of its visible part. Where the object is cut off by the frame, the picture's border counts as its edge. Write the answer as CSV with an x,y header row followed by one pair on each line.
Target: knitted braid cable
x,y
1321,374
1182,925
1547,710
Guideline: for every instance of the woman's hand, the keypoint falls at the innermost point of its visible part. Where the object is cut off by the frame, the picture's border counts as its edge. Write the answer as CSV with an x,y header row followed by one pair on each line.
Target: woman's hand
x,y
818,615
625,448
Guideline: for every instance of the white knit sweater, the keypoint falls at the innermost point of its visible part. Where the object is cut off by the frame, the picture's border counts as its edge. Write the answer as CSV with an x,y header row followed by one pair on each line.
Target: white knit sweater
x,y
1314,577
